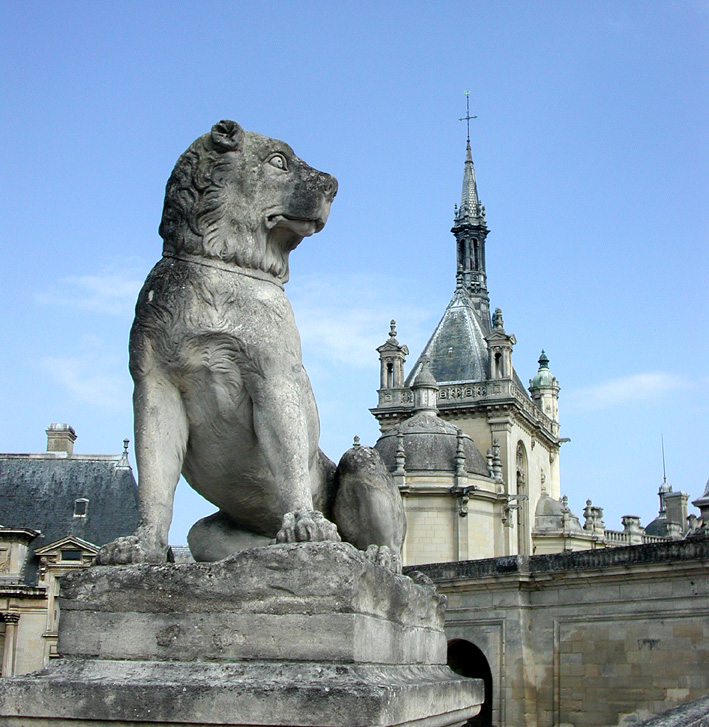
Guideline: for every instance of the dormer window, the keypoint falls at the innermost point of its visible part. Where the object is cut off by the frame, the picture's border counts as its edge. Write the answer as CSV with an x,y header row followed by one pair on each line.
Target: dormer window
x,y
81,506
72,555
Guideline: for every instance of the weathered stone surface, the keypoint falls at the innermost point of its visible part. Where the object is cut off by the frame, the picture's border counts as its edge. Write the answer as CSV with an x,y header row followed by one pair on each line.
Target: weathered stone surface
x,y
604,637
319,602
238,694
220,392
295,634
368,507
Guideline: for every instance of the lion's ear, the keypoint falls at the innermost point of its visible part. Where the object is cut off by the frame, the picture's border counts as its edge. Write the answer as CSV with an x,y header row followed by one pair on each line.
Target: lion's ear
x,y
227,135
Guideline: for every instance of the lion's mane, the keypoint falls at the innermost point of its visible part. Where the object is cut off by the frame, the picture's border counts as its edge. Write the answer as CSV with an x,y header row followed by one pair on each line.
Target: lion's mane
x,y
196,201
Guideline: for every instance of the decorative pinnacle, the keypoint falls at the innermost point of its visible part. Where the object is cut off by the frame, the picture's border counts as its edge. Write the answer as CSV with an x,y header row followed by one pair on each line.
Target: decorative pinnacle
x,y
392,329
497,321
356,443
543,361
123,462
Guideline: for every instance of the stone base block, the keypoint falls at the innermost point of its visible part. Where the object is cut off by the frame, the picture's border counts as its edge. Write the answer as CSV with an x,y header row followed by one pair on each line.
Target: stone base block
x,y
256,694
314,602
306,635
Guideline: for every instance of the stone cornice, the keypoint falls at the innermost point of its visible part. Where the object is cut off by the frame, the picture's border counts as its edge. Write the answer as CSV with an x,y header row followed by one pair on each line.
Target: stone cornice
x,y
20,589
689,552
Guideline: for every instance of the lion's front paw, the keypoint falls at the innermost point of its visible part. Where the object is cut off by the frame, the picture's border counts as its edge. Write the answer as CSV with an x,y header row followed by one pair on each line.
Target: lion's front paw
x,y
386,557
128,550
304,526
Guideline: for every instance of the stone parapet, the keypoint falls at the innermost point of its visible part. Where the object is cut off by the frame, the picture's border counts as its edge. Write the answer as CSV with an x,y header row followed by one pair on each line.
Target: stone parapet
x,y
651,553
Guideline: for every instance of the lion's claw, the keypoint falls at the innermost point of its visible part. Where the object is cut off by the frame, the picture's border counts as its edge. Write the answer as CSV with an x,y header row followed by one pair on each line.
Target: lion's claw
x,y
128,550
304,526
384,556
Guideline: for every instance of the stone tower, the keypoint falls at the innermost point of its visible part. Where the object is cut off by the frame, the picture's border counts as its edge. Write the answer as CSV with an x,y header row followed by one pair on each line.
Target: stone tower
x,y
469,355
470,230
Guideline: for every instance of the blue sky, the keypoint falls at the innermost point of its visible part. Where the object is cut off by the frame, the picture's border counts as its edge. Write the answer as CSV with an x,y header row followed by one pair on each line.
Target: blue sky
x,y
591,156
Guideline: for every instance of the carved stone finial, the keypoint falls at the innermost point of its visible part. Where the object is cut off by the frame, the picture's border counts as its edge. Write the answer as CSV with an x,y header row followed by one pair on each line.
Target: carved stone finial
x,y
356,443
496,460
460,453
588,515
392,329
123,462
497,321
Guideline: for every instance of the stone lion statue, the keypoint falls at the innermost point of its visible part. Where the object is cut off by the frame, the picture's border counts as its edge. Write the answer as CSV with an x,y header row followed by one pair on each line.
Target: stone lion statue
x,y
220,392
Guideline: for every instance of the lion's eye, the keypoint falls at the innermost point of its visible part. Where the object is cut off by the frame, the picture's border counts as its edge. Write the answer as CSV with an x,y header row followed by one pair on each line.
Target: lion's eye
x,y
278,161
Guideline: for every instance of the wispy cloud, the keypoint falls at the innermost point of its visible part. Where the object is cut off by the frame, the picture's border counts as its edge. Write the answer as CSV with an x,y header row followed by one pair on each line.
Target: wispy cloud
x,y
94,377
343,321
112,291
637,387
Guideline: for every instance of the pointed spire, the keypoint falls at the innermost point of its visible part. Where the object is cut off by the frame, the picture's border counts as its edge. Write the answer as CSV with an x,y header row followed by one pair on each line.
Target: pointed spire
x,y
469,202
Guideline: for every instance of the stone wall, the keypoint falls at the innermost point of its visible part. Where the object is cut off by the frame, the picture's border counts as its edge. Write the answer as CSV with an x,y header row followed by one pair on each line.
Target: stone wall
x,y
599,638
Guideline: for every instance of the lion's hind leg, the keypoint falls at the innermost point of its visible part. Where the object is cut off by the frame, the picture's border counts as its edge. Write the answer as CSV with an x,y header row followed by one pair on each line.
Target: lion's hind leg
x,y
218,536
368,508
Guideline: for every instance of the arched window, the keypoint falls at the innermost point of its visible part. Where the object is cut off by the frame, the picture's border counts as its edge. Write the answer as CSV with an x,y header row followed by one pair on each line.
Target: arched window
x,y
468,660
498,365
523,511
390,376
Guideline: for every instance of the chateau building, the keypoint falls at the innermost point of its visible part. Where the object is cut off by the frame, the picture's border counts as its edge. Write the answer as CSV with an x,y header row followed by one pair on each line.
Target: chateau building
x,y
606,636
56,509
476,454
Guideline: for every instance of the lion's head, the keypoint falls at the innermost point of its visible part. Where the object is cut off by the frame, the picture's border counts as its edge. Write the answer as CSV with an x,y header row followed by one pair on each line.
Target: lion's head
x,y
241,197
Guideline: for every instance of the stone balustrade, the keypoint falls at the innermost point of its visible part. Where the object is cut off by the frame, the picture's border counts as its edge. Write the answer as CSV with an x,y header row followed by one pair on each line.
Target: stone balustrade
x,y
470,393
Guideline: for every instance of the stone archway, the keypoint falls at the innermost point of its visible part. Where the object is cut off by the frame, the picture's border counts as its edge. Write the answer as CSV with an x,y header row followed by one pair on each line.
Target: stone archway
x,y
468,660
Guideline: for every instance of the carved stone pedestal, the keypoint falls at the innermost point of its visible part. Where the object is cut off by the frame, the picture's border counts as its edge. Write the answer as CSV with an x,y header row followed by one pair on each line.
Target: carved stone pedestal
x,y
307,635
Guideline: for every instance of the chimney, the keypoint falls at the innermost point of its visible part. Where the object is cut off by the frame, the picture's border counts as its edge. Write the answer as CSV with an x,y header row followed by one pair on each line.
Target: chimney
x,y
676,503
60,438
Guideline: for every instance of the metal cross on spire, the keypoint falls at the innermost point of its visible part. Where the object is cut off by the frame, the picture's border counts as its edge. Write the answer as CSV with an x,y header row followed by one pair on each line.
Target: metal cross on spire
x,y
467,116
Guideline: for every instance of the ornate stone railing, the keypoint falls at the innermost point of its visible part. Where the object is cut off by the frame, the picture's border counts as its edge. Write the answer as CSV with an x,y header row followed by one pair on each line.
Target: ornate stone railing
x,y
621,537
464,393
395,398
470,392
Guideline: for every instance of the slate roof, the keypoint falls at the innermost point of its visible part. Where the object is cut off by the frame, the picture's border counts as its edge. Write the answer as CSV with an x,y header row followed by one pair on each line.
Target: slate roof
x,y
457,350
430,444
38,491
